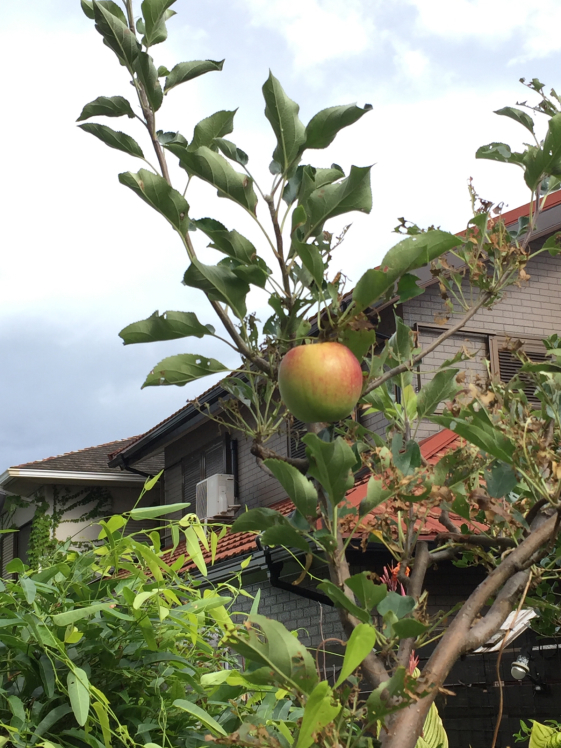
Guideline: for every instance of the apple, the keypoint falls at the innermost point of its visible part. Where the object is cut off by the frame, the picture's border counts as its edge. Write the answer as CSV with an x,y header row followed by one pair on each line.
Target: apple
x,y
320,382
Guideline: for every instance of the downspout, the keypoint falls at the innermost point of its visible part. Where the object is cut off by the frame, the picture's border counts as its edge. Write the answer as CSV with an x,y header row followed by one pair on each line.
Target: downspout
x,y
273,574
130,469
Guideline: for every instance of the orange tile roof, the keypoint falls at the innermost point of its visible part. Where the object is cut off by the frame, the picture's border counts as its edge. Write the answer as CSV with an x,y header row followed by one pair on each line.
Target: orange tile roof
x,y
241,543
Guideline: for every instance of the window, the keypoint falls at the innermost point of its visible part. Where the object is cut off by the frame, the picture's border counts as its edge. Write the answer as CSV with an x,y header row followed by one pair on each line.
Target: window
x,y
506,365
200,465
296,447
21,539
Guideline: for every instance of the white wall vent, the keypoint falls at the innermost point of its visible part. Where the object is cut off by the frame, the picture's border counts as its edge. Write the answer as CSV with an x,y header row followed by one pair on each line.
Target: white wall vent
x,y
215,497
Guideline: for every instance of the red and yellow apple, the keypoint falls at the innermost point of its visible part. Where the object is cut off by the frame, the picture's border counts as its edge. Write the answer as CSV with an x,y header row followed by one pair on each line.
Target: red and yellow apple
x,y
320,382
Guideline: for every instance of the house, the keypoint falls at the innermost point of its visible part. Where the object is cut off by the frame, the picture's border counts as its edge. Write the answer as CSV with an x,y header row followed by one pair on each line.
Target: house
x,y
195,448
192,448
74,488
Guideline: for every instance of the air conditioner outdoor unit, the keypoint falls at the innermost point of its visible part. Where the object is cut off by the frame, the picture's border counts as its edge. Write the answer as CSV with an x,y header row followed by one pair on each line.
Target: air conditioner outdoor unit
x,y
214,497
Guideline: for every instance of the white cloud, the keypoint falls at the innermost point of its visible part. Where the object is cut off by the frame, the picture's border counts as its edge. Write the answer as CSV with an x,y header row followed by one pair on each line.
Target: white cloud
x,y
317,30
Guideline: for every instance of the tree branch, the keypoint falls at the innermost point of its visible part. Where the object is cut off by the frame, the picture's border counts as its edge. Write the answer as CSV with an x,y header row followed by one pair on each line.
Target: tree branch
x,y
280,247
497,614
407,724
264,453
414,588
429,349
446,522
481,540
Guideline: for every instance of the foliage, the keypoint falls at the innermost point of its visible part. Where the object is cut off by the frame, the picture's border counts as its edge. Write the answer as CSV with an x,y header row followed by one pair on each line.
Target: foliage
x,y
540,736
504,481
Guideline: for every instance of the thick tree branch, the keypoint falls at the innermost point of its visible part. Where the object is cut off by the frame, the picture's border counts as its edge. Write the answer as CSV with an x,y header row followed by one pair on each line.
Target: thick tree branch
x,y
480,540
280,247
430,348
446,522
497,614
407,725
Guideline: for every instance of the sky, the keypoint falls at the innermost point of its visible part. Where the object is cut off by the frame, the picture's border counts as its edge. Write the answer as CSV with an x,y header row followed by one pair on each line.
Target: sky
x,y
81,256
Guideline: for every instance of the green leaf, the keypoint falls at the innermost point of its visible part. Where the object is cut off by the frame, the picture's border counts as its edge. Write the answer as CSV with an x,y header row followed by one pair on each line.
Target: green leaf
x,y
186,71
148,75
407,460
107,106
15,566
553,244
499,152
114,139
441,387
151,512
103,717
501,479
50,719
297,486
216,126
400,605
29,588
258,519
407,288
285,535
231,151
460,506
318,713
87,7
518,116
478,429
368,593
155,191
116,34
181,369
200,714
213,168
340,600
359,646
78,614
379,704
168,326
409,627
270,644
229,242
375,495
311,259
330,464
79,694
149,483
155,14
219,283
47,676
352,193
414,252
282,113
325,125
359,341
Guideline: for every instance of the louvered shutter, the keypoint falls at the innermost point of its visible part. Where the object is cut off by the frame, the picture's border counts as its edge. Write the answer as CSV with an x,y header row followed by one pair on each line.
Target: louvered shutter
x,y
191,476
214,459
506,365
296,447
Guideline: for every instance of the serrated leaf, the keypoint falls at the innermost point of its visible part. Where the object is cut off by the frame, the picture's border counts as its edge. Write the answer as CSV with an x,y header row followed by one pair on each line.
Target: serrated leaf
x,y
311,259
231,151
368,593
477,428
114,139
407,288
155,13
186,71
282,113
441,387
218,124
106,106
499,152
148,75
319,712
79,694
500,479
518,116
230,242
330,464
167,326
350,194
375,495
155,191
181,369
359,341
411,253
220,284
297,486
213,168
324,126
116,34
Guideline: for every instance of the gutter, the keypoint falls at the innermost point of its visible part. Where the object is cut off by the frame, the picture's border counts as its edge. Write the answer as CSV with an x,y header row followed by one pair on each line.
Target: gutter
x,y
55,476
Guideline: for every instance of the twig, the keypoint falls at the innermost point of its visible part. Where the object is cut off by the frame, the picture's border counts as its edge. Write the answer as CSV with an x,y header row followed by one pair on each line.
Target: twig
x,y
507,632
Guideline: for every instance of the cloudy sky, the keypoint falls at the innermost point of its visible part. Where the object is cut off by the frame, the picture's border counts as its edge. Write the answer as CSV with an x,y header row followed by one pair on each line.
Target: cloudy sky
x,y
81,256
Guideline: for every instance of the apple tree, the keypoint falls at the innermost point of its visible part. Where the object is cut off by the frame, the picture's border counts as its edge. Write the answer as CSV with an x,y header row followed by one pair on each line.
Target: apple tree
x,y
511,446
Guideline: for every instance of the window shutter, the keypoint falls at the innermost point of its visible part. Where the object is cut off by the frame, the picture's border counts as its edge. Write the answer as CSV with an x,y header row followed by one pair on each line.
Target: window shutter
x,y
214,459
506,365
296,447
191,476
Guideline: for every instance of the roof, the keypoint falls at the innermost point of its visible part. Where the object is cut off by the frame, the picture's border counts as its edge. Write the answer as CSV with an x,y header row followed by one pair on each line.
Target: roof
x,y
242,543
84,466
184,419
